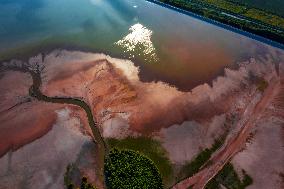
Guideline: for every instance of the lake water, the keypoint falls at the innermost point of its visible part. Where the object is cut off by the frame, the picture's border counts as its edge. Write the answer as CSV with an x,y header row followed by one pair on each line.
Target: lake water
x,y
166,45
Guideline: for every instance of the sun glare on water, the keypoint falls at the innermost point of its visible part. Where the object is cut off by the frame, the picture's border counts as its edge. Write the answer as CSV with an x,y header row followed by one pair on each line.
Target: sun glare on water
x,y
138,41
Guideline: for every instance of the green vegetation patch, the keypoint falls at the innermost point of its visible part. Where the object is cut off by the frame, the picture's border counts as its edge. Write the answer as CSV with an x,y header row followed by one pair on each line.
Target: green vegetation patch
x,y
192,167
262,84
150,148
258,21
72,169
253,13
234,8
275,6
67,176
85,184
230,179
127,169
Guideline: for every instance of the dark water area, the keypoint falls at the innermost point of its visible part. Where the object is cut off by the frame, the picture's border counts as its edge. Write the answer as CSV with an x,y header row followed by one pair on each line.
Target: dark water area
x,y
166,45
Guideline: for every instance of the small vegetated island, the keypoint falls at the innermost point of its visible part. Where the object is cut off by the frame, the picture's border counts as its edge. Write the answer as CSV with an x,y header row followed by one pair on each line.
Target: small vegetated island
x,y
128,169
252,16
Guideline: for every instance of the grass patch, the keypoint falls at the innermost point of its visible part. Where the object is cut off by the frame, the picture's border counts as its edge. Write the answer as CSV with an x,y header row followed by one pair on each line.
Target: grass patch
x,y
230,179
150,148
68,182
192,167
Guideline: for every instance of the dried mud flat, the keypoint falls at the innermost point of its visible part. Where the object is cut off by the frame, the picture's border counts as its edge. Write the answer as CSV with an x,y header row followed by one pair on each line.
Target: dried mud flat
x,y
44,138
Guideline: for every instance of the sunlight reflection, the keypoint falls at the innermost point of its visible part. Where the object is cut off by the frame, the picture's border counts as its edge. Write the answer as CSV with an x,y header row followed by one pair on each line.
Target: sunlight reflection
x,y
138,41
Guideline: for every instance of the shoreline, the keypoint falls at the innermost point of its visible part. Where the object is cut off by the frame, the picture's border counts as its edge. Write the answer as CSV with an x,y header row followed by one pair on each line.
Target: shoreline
x,y
221,25
33,51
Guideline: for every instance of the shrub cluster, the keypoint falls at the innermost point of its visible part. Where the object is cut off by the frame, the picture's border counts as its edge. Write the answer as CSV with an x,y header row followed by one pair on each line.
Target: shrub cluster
x,y
150,148
229,178
127,169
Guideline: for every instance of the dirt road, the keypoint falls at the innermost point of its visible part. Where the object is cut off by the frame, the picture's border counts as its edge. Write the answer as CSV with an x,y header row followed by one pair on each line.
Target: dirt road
x,y
235,142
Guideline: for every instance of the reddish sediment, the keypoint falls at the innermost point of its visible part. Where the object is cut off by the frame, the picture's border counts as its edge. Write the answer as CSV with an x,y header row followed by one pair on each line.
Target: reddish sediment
x,y
25,124
150,106
23,119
